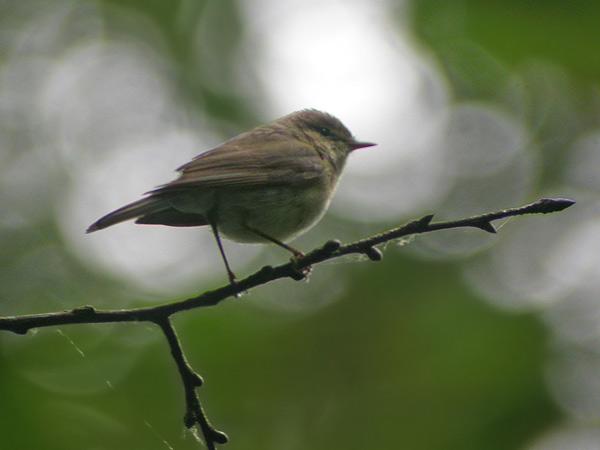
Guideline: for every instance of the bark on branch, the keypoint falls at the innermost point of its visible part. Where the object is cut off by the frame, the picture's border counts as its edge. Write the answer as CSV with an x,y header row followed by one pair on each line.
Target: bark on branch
x,y
295,269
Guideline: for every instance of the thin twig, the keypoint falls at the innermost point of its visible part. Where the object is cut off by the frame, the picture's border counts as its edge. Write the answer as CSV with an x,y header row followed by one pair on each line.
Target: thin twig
x,y
295,269
191,380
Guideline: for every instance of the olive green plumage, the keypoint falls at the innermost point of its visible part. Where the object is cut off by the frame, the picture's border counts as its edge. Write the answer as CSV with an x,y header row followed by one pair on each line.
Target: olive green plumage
x,y
271,183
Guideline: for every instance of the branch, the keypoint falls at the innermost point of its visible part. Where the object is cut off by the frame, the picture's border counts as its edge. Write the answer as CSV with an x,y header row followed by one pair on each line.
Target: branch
x,y
296,269
191,380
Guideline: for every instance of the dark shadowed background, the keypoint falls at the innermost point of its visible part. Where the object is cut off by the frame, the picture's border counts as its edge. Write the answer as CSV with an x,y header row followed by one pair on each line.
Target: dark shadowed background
x,y
455,341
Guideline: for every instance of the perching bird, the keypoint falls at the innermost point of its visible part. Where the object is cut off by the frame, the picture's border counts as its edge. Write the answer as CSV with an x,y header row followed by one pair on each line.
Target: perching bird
x,y
269,184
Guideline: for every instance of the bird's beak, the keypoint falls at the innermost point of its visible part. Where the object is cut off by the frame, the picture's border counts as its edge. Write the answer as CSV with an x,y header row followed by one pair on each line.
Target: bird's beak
x,y
355,145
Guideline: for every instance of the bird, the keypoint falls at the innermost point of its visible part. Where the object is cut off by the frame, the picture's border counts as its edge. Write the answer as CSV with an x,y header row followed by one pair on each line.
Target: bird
x,y
267,185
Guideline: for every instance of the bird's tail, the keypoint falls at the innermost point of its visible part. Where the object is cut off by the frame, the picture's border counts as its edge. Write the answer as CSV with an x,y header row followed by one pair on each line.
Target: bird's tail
x,y
132,210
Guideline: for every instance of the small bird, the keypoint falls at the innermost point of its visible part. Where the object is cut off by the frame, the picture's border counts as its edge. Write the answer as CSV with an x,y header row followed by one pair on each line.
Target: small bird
x,y
269,184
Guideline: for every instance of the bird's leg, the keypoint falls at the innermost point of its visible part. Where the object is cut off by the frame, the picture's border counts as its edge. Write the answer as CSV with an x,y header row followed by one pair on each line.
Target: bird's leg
x,y
297,253
302,273
215,231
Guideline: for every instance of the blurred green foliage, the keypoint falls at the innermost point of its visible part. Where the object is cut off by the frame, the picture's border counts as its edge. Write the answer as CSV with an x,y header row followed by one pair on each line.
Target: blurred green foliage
x,y
407,358
516,31
396,363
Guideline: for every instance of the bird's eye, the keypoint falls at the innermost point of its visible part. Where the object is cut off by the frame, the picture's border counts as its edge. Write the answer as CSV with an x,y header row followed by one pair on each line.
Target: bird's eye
x,y
325,131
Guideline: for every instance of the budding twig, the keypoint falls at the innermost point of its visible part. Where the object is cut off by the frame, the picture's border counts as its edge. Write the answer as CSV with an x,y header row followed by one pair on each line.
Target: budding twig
x,y
161,314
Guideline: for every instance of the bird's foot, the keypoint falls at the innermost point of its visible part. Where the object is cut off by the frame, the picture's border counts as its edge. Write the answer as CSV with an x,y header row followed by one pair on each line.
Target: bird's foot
x,y
299,273
234,284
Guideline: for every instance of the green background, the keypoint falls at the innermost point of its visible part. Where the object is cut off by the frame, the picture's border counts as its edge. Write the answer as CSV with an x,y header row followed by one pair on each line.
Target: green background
x,y
409,357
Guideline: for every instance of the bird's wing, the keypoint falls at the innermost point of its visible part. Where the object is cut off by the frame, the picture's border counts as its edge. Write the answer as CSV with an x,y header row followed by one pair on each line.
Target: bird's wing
x,y
246,162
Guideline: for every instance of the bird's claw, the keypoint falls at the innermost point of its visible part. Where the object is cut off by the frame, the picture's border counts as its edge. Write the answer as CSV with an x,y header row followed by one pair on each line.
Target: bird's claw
x,y
298,273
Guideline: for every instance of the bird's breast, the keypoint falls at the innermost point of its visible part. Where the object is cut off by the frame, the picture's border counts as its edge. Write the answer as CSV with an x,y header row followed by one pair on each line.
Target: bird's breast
x,y
282,212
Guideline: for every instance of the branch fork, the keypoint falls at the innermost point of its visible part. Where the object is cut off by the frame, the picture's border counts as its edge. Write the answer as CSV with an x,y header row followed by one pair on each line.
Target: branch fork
x,y
297,269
